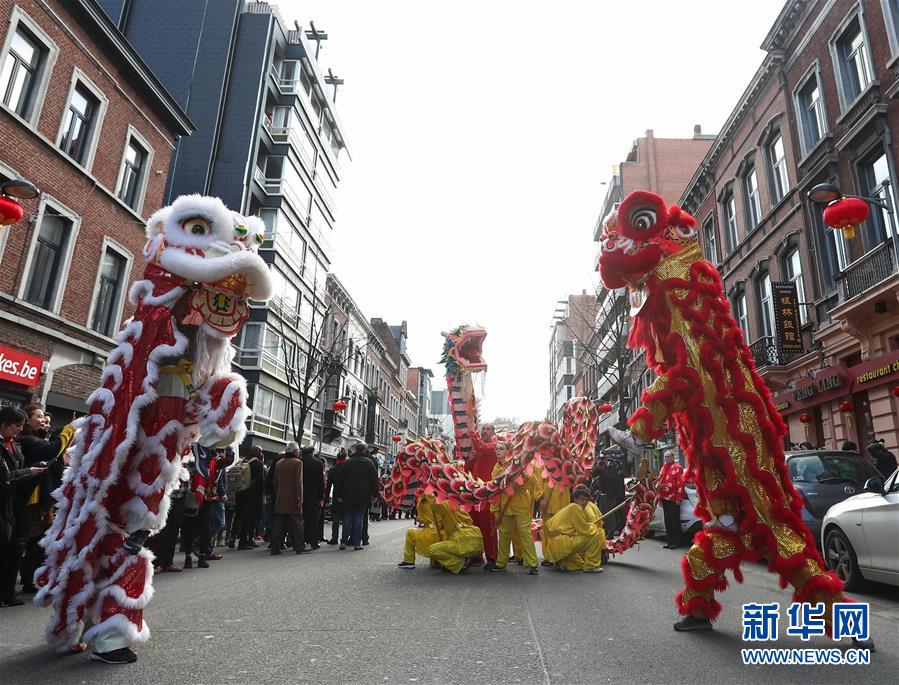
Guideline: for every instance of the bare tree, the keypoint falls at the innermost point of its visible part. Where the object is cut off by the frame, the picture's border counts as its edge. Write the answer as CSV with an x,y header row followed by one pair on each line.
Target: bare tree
x,y
310,372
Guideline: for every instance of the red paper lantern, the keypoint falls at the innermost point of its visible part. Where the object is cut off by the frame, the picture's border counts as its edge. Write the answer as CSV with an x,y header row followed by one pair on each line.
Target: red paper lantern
x,y
846,407
397,438
10,211
605,408
896,391
805,418
339,405
846,214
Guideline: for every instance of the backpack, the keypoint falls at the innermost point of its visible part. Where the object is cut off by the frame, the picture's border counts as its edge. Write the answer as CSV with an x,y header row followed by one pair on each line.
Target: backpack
x,y
240,476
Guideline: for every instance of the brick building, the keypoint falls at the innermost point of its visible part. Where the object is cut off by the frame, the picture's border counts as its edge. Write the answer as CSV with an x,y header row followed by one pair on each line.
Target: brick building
x,y
85,120
571,330
821,108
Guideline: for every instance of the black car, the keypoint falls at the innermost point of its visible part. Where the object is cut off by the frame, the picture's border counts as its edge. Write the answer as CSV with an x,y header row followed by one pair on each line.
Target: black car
x,y
825,477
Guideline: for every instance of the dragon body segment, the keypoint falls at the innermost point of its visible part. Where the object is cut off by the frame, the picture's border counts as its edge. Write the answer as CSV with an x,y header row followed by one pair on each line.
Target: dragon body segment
x,y
708,388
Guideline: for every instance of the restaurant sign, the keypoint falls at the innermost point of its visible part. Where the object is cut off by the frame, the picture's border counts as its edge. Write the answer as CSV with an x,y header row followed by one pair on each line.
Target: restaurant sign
x,y
786,317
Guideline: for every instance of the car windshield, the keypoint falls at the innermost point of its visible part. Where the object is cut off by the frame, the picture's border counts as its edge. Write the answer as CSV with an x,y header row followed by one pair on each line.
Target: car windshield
x,y
817,468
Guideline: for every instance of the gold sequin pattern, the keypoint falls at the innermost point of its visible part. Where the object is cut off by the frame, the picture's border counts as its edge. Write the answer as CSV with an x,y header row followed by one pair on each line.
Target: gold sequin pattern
x,y
723,547
699,569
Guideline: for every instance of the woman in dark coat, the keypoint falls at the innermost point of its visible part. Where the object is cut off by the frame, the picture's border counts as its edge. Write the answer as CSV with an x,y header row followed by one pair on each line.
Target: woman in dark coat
x,y
37,506
249,503
15,478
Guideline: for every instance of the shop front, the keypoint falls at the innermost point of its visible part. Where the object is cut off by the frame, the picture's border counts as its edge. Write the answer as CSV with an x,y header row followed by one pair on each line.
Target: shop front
x,y
20,374
838,403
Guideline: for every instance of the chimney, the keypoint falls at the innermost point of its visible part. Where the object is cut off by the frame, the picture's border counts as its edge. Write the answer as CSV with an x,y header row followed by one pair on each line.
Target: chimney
x,y
697,130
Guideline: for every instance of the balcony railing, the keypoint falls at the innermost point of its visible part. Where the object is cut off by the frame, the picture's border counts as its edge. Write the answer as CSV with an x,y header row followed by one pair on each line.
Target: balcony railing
x,y
867,272
766,353
288,135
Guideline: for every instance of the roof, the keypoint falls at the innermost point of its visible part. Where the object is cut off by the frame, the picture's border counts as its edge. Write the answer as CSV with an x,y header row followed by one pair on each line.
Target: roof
x,y
108,37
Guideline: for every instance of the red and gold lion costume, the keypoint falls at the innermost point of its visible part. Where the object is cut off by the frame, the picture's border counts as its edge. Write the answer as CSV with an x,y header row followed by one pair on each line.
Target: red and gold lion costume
x,y
708,388
167,384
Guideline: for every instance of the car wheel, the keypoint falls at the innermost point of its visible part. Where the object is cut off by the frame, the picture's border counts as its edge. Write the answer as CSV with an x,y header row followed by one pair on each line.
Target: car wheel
x,y
840,558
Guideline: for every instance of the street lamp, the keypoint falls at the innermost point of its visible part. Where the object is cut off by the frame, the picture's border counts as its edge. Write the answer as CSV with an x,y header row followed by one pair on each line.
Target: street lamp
x,y
16,189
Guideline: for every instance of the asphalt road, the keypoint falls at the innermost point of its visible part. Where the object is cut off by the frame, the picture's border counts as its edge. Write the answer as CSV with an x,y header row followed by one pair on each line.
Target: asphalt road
x,y
353,617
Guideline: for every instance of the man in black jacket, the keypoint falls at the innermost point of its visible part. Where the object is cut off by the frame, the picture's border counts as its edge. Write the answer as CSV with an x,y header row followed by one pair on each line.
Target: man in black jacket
x,y
330,494
313,492
355,488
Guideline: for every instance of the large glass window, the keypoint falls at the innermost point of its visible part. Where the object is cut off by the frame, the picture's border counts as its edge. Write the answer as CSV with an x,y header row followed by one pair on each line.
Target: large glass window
x,y
753,201
19,74
778,165
793,267
812,119
740,313
134,167
110,287
729,210
766,305
79,123
874,181
48,259
269,413
853,62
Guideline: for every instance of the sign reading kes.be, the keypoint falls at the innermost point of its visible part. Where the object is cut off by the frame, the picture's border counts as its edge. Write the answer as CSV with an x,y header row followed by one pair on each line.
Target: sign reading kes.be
x,y
20,367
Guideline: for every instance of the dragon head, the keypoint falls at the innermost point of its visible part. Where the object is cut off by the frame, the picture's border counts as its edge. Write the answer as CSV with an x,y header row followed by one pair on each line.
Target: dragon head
x,y
462,349
639,235
199,239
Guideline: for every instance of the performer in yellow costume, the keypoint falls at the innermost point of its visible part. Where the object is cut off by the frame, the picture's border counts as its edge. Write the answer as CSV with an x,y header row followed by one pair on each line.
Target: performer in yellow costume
x,y
462,539
572,537
554,500
537,488
512,513
419,540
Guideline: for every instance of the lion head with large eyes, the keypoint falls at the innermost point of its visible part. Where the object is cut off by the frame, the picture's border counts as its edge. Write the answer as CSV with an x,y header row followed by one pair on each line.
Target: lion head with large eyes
x,y
640,234
199,239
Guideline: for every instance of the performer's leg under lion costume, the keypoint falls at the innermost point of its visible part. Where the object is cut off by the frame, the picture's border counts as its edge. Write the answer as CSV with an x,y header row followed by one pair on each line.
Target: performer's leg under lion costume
x,y
708,387
167,384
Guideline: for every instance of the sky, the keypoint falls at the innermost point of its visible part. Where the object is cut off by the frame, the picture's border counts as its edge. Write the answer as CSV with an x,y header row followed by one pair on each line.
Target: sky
x,y
482,134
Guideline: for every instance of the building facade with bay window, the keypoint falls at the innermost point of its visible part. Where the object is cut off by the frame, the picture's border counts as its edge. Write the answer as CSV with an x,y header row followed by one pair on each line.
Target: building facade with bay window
x,y
821,108
84,119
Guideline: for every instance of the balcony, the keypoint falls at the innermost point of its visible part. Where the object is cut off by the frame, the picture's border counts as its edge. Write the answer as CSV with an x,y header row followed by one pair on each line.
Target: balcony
x,y
288,135
765,352
867,272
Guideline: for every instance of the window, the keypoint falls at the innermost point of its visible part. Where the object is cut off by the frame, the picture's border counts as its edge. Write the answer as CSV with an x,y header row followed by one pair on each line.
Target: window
x,y
81,123
20,72
269,413
133,174
780,181
753,202
739,306
25,65
110,286
812,118
710,243
766,305
793,269
48,260
891,19
874,181
729,210
852,62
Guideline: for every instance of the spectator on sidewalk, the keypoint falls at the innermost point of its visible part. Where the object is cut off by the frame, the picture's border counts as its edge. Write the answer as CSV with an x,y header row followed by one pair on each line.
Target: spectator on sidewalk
x,y
313,492
355,488
371,451
884,460
671,492
288,510
197,507
336,507
249,503
15,478
165,541
218,498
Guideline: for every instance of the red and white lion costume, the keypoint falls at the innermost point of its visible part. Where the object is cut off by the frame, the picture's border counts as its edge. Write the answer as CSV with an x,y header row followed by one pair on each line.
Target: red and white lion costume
x,y
167,384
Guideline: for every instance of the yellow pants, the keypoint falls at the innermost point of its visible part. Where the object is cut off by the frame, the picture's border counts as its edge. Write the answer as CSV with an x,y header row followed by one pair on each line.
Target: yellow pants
x,y
521,524
465,543
419,541
573,552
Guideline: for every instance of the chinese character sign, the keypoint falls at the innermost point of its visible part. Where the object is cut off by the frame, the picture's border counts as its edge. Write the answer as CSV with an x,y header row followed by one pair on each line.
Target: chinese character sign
x,y
786,317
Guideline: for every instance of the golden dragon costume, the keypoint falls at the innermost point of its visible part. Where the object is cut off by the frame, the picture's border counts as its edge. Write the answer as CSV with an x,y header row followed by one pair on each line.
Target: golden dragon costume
x,y
708,388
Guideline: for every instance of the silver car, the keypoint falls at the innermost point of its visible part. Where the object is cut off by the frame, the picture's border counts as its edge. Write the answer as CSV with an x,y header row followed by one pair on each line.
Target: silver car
x,y
860,535
690,524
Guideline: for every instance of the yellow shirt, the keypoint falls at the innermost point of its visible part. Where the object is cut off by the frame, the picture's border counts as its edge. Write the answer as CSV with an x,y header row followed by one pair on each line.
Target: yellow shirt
x,y
556,498
572,520
424,510
521,501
